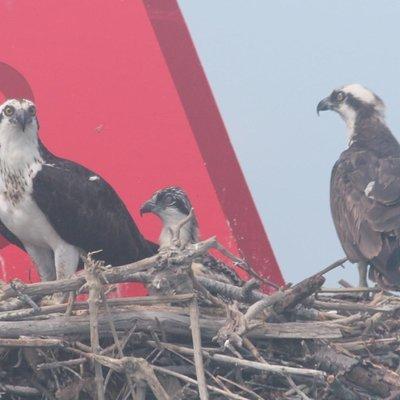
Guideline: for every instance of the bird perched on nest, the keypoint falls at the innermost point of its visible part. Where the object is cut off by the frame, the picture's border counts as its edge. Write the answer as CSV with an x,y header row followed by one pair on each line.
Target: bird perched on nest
x,y
54,209
173,206
365,186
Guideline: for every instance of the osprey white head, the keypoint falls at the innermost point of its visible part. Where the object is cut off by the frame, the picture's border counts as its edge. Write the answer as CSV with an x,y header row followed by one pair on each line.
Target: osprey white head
x,y
18,133
18,115
353,103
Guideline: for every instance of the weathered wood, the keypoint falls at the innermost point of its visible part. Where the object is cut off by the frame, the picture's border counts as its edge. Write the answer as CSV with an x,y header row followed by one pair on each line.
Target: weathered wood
x,y
119,302
31,342
246,363
198,355
377,380
345,306
171,319
299,293
19,390
282,301
93,278
59,364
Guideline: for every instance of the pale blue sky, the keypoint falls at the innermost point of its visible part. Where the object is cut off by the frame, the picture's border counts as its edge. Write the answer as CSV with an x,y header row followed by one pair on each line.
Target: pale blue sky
x,y
269,63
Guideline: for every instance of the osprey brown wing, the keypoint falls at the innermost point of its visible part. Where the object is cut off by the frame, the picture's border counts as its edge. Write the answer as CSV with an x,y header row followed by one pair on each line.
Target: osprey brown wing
x,y
365,204
350,206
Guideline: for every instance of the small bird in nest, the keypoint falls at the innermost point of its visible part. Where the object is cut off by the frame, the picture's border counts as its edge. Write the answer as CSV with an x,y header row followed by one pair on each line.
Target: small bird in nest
x,y
173,206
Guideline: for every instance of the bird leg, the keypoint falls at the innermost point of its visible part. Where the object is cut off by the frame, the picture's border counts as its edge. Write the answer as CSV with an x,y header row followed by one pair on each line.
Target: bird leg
x,y
362,271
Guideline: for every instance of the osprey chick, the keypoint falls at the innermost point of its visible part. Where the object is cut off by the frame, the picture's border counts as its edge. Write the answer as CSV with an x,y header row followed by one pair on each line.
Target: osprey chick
x,y
54,209
172,206
365,185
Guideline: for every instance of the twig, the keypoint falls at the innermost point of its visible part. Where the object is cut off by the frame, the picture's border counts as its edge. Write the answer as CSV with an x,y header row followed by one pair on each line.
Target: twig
x,y
345,284
70,304
296,388
229,291
244,388
19,390
250,364
22,296
31,342
92,269
350,290
255,309
332,266
119,302
198,355
343,306
59,364
117,343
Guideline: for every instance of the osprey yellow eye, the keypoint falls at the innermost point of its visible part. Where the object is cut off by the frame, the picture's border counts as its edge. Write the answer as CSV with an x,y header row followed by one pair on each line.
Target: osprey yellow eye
x,y
32,111
9,111
340,96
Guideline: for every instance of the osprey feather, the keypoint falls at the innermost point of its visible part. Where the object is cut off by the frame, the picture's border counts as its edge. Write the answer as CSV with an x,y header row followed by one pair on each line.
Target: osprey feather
x,y
365,185
54,209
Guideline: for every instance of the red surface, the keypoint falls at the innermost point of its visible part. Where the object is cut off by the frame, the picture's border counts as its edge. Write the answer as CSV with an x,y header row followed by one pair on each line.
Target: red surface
x,y
119,89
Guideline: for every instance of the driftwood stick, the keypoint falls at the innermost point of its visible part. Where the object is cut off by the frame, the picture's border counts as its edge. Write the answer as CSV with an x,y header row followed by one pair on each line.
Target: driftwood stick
x,y
31,342
255,309
16,285
243,265
173,322
363,344
299,293
267,367
332,266
281,301
71,302
19,390
344,283
118,302
92,270
230,291
59,364
344,306
246,363
350,290
117,343
198,355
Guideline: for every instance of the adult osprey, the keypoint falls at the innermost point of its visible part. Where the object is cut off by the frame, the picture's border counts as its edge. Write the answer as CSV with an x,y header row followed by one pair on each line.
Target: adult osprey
x,y
54,208
365,185
172,205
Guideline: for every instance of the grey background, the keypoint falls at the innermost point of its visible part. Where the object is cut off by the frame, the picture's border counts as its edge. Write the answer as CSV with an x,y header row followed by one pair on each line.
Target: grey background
x,y
269,63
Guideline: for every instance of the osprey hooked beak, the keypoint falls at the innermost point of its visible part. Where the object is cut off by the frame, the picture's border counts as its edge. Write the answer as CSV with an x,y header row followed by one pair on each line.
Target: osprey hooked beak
x,y
23,118
324,104
147,207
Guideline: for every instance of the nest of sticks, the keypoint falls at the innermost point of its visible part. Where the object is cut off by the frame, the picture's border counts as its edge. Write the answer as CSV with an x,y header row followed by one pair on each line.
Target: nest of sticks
x,y
196,338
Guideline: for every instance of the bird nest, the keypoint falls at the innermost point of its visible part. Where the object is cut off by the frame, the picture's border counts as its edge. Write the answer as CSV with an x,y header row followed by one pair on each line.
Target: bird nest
x,y
197,338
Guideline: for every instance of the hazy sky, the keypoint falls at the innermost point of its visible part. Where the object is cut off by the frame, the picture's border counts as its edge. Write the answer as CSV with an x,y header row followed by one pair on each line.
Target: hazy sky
x,y
269,63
